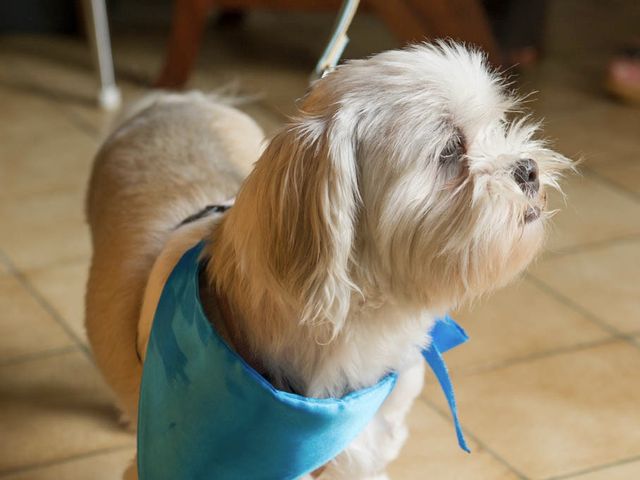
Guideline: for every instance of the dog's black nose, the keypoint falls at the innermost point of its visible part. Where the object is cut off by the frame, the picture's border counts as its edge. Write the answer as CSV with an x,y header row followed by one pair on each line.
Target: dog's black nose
x,y
526,175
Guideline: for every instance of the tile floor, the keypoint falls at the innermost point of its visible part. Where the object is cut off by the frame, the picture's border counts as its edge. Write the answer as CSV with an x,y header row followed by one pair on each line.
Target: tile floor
x,y
549,386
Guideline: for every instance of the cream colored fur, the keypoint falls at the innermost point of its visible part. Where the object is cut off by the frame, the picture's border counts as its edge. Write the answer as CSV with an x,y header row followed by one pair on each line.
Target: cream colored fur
x,y
166,162
389,200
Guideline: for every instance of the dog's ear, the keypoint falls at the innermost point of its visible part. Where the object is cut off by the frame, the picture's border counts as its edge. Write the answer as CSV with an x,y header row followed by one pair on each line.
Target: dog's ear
x,y
305,195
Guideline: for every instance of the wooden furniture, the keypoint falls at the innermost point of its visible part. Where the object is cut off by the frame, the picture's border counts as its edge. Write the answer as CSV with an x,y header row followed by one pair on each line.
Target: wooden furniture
x,y
408,20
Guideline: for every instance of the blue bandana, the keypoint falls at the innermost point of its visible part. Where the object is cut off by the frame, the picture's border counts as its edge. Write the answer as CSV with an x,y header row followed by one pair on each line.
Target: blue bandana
x,y
204,413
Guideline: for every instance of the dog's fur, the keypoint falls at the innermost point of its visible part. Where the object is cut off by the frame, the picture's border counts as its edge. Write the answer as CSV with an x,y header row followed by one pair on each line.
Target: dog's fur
x,y
389,200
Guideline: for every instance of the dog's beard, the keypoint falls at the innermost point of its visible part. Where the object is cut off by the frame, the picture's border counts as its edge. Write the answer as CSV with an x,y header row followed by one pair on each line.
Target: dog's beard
x,y
457,253
446,256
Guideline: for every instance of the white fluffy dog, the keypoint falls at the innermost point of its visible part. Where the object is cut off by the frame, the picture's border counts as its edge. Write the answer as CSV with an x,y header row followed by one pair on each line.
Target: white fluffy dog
x,y
400,191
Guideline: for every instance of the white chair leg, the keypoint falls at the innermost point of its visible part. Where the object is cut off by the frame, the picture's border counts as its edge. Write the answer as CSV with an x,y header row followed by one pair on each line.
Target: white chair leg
x,y
97,28
338,40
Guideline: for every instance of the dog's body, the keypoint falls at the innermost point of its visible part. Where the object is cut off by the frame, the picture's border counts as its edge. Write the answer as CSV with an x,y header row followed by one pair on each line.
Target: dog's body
x,y
176,155
398,194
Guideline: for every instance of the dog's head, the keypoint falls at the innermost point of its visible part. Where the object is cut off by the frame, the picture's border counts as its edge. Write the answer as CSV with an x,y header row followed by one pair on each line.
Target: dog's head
x,y
403,179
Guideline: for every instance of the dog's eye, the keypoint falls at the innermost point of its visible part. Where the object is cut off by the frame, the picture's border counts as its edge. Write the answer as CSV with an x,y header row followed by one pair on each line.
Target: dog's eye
x,y
453,150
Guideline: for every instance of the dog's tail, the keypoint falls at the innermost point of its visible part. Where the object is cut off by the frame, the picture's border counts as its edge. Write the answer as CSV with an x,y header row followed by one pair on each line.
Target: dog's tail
x,y
141,104
227,95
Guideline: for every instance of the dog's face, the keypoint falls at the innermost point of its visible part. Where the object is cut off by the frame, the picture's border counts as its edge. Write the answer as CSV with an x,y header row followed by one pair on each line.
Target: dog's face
x,y
453,191
404,177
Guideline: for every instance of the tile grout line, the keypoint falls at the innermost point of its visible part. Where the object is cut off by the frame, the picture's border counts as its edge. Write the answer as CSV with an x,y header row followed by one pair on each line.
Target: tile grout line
x,y
61,263
571,304
583,311
476,439
611,184
74,119
587,247
92,132
77,121
52,352
613,336
62,461
55,315
597,468
492,367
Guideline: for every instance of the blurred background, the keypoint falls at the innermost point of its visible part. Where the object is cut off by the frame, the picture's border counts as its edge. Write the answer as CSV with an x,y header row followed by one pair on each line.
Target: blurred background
x,y
549,385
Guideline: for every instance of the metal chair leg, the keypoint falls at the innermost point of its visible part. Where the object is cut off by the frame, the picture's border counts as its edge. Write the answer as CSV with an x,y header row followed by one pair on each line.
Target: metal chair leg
x,y
338,40
97,28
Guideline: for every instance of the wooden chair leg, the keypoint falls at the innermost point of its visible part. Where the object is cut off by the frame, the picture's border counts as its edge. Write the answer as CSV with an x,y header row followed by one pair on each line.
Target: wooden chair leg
x,y
409,20
187,27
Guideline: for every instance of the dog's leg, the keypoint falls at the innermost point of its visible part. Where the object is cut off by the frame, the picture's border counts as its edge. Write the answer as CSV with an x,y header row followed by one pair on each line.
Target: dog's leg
x,y
368,455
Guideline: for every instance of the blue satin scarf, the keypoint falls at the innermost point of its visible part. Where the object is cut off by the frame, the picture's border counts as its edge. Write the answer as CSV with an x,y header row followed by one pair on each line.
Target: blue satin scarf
x,y
204,413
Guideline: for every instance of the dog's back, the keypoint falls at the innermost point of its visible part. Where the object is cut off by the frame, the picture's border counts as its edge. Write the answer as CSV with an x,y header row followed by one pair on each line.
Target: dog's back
x,y
170,156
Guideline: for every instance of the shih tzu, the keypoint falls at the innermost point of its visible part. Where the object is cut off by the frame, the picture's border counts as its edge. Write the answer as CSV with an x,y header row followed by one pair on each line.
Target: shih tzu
x,y
403,189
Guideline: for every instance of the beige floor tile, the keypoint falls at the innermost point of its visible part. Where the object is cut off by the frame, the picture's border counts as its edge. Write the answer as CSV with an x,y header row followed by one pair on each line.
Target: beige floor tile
x,y
605,131
98,122
624,171
269,120
22,110
432,452
58,69
603,281
557,415
65,76
44,229
612,125
3,267
55,408
63,286
626,471
25,327
552,416
46,69
279,51
41,150
517,322
594,211
104,466
44,160
555,93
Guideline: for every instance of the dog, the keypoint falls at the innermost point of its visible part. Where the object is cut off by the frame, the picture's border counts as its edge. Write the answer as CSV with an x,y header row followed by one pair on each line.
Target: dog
x,y
405,187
